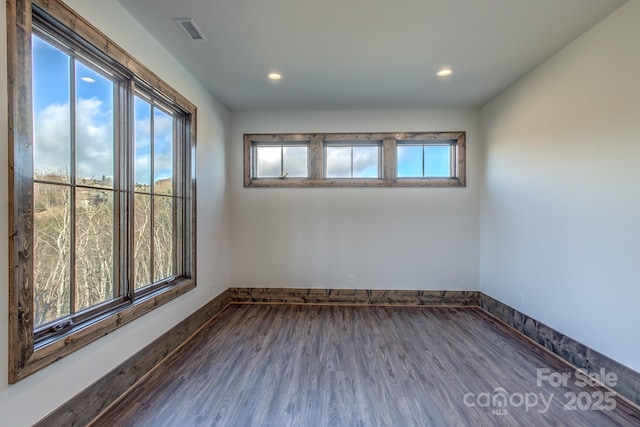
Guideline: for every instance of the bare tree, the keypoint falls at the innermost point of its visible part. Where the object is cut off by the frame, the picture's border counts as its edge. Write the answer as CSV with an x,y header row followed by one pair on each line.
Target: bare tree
x,y
91,259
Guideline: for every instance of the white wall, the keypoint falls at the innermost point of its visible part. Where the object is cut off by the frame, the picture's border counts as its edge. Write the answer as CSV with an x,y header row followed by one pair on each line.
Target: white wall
x,y
559,213
561,199
34,397
393,238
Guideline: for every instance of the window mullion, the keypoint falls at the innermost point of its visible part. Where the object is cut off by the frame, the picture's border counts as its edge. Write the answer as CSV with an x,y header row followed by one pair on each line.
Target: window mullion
x,y
124,184
176,210
176,214
453,170
254,151
389,159
152,272
461,162
316,162
351,161
72,189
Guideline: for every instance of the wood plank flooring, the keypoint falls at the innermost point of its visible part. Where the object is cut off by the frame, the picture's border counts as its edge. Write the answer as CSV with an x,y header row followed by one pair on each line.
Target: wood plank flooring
x,y
303,365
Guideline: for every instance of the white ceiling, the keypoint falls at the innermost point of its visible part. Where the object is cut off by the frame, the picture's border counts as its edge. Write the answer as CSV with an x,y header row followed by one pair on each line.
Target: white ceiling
x,y
343,54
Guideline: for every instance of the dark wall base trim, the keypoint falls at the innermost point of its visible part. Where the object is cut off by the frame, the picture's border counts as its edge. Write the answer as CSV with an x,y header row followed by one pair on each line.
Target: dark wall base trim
x,y
354,296
568,349
89,403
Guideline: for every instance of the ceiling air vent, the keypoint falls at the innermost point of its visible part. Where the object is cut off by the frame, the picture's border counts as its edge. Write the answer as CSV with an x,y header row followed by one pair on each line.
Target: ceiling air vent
x,y
189,28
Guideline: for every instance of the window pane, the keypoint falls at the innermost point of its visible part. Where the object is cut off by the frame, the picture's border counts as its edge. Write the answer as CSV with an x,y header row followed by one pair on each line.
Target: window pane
x,y
142,240
409,161
295,162
52,246
268,162
142,165
338,162
163,237
94,247
365,162
162,151
51,115
437,162
94,127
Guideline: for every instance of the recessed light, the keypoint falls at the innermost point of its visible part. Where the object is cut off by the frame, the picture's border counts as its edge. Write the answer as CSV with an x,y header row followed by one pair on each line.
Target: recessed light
x,y
445,72
88,80
275,76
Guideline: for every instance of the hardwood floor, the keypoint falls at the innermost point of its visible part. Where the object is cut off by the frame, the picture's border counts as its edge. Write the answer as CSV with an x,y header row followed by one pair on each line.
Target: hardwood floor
x,y
302,365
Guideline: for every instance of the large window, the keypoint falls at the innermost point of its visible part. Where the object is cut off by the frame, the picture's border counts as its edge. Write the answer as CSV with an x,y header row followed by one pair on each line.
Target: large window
x,y
417,159
102,209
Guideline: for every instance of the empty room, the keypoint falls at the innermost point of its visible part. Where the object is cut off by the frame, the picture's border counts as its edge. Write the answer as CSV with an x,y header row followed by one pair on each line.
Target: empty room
x,y
333,213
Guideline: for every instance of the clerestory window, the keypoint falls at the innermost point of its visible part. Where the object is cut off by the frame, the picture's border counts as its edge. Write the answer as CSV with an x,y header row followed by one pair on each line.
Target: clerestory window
x,y
405,159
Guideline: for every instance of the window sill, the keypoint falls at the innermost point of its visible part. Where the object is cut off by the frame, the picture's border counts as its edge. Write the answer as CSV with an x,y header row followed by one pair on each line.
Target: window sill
x,y
353,182
85,334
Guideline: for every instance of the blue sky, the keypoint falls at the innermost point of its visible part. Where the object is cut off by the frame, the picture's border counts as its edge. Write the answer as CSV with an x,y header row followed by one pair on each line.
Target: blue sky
x,y
94,120
162,137
435,157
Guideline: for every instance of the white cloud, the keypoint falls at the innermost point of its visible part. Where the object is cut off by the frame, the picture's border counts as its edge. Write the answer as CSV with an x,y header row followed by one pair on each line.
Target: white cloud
x,y
163,124
163,165
163,150
365,162
94,135
268,161
338,162
290,160
295,161
95,144
51,132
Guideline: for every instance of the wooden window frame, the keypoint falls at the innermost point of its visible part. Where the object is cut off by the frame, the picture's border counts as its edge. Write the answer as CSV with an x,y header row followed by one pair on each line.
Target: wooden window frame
x,y
26,354
318,141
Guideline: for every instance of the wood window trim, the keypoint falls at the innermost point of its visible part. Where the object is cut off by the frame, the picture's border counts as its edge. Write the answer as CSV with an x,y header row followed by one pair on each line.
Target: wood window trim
x,y
389,178
24,357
